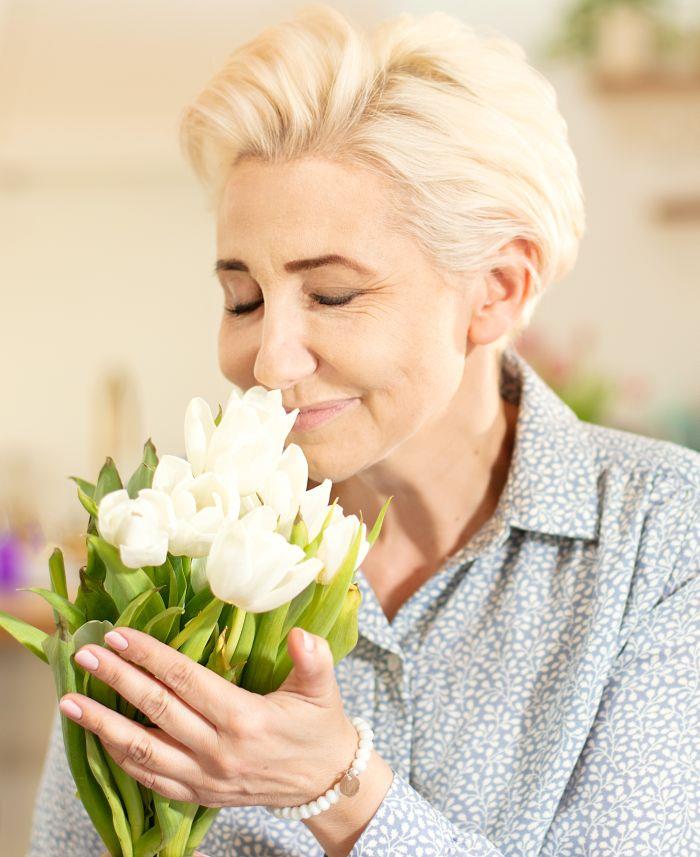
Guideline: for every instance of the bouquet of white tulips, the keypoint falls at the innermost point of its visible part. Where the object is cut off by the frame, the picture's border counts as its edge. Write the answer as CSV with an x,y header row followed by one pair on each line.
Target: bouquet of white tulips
x,y
218,555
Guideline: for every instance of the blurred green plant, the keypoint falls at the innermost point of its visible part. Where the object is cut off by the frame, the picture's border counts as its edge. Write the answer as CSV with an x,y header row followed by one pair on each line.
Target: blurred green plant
x,y
579,29
589,394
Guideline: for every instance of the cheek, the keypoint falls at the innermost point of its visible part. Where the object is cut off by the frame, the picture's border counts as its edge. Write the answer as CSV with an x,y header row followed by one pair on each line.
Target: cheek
x,y
234,358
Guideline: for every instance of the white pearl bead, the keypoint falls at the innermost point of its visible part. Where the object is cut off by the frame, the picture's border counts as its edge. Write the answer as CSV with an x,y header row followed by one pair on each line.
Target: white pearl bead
x,y
332,796
365,742
360,765
336,789
287,812
323,802
366,733
296,813
313,807
304,811
362,754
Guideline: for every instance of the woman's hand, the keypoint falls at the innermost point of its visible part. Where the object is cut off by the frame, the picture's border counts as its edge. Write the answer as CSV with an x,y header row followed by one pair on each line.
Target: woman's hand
x,y
213,743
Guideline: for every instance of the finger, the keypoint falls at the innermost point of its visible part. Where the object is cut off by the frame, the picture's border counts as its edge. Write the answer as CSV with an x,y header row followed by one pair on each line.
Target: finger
x,y
164,785
130,743
150,696
201,688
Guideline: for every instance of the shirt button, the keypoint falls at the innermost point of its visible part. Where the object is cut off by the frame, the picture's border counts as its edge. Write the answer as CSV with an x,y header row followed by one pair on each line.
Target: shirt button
x,y
393,662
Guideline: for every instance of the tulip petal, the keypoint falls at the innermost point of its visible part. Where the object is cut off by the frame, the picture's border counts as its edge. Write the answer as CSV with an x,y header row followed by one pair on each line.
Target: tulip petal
x,y
170,473
303,573
314,507
199,428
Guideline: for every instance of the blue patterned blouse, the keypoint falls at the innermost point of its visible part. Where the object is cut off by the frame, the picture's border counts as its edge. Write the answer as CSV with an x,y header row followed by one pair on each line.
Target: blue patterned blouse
x,y
540,694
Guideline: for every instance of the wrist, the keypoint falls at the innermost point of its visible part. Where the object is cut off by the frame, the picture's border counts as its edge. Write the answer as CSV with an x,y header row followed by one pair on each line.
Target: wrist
x,y
338,828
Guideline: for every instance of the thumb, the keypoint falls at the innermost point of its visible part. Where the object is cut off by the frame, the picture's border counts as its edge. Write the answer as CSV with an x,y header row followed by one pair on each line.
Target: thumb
x,y
312,672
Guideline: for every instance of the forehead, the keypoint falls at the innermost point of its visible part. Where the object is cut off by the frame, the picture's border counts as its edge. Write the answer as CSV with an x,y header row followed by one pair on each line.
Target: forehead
x,y
304,207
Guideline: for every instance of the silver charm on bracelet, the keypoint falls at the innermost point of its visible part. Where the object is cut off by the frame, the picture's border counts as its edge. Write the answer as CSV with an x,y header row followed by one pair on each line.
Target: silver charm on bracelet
x,y
348,785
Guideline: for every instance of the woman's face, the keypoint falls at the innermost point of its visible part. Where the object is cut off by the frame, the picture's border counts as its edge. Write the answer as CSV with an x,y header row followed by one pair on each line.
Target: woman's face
x,y
397,346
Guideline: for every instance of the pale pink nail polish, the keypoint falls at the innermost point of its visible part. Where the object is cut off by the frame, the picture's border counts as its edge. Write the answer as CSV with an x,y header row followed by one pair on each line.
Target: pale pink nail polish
x,y
116,641
70,708
86,659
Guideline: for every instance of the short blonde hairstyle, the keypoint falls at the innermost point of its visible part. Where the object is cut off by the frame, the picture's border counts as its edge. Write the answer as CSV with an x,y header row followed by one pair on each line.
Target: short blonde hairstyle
x,y
462,127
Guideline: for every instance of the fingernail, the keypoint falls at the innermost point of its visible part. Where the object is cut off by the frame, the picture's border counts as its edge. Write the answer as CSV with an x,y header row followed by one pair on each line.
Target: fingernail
x,y
86,659
116,641
70,709
308,641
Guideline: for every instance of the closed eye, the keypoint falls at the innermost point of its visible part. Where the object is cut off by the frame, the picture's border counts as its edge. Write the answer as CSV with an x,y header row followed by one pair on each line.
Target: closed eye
x,y
324,300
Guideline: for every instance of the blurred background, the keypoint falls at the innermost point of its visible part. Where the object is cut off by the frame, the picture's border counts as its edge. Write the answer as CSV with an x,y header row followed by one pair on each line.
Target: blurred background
x,y
110,311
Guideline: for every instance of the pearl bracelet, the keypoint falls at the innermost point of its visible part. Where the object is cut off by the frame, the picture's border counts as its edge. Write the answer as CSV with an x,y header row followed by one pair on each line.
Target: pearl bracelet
x,y
348,784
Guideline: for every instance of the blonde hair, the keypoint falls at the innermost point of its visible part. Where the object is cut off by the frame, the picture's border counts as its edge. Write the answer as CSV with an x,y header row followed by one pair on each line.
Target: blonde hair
x,y
466,132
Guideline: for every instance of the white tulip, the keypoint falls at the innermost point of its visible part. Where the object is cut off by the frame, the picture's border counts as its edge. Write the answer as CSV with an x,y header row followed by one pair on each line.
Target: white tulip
x,y
250,457
254,567
139,527
199,427
200,503
248,442
335,544
285,487
314,507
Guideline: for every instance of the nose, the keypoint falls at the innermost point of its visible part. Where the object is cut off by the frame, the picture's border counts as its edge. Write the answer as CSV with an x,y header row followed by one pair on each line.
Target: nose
x,y
284,357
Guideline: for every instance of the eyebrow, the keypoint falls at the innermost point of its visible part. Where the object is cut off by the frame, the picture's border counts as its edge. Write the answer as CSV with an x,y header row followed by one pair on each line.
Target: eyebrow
x,y
298,264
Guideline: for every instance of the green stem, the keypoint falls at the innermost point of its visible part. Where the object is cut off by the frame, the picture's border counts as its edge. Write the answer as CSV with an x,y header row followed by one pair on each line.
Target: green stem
x,y
236,626
257,673
177,845
200,827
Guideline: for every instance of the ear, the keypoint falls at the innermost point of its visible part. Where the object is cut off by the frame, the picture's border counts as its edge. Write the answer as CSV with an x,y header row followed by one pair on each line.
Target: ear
x,y
503,293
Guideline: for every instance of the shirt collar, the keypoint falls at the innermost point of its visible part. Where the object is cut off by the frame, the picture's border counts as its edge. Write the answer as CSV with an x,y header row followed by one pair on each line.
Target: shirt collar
x,y
552,484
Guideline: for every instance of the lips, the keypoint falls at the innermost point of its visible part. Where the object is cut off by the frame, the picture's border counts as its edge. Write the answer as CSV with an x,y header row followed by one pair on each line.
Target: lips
x,y
318,416
317,407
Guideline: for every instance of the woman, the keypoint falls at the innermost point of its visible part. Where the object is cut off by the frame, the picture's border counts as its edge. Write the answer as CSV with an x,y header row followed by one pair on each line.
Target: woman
x,y
389,211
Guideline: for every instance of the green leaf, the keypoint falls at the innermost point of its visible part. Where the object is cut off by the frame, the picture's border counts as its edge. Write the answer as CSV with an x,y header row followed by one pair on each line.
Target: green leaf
x,y
168,817
57,573
200,826
72,614
162,625
194,637
129,617
150,456
258,672
196,604
142,477
86,487
100,770
217,418
88,503
91,632
376,529
324,608
98,690
27,635
58,653
123,583
296,607
175,579
342,638
150,843
108,480
92,599
184,813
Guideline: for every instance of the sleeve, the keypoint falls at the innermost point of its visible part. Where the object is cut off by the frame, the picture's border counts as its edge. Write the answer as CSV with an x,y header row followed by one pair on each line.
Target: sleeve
x,y
406,824
60,823
635,788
